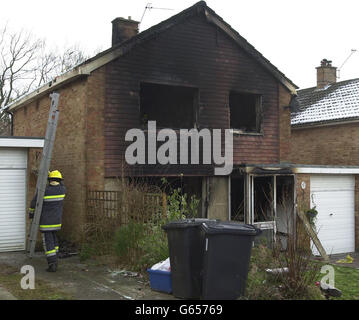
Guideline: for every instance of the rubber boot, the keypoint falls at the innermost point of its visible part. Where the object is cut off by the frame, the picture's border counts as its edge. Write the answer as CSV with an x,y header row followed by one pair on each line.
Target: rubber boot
x,y
52,267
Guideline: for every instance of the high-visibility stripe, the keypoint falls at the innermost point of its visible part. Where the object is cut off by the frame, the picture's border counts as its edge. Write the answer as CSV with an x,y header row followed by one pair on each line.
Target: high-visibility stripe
x,y
50,226
49,252
55,197
31,209
44,242
54,200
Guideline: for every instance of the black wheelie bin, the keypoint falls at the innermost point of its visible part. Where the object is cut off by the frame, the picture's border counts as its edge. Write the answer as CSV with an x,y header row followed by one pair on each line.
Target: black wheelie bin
x,y
226,258
186,256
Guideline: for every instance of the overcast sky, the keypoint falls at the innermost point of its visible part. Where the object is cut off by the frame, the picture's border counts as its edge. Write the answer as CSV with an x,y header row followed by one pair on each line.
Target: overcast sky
x,y
293,35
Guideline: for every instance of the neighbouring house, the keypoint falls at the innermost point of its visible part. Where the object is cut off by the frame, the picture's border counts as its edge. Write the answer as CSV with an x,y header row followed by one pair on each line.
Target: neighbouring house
x,y
14,170
325,133
190,71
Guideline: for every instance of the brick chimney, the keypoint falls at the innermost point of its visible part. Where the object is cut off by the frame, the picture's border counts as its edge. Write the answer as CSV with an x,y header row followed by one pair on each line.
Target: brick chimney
x,y
123,29
326,74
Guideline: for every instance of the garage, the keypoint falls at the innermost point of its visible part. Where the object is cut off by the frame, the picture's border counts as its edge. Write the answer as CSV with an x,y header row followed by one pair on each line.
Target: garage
x,y
13,187
334,198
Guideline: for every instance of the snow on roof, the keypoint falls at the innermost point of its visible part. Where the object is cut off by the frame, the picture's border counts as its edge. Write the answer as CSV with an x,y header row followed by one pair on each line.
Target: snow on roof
x,y
338,101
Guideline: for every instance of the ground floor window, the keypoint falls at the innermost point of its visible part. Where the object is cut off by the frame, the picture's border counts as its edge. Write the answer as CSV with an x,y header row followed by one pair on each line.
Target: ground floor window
x,y
266,201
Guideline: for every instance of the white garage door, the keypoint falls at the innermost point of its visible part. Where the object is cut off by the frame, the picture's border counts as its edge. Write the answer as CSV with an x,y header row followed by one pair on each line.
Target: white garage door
x,y
13,164
333,196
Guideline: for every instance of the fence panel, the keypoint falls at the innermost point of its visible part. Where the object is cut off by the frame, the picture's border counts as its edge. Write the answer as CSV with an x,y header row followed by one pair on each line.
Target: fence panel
x,y
123,207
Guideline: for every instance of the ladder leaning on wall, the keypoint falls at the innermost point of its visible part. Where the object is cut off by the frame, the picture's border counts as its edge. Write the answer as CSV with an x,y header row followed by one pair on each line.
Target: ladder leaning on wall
x,y
43,171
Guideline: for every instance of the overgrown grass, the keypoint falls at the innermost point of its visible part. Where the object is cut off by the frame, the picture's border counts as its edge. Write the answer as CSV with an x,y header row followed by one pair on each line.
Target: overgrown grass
x,y
135,234
261,286
297,271
141,245
102,226
10,279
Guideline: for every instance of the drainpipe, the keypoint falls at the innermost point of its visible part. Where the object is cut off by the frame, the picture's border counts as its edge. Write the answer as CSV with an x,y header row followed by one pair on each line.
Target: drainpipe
x,y
11,122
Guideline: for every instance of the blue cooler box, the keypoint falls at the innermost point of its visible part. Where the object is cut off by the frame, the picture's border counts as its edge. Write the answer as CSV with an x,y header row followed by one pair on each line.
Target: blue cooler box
x,y
160,280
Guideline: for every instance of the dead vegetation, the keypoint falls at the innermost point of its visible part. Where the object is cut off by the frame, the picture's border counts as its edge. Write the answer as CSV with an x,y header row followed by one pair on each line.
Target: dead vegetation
x,y
108,211
299,271
128,223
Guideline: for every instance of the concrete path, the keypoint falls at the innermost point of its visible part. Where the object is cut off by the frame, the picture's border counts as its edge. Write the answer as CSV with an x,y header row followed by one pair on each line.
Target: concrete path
x,y
86,281
6,295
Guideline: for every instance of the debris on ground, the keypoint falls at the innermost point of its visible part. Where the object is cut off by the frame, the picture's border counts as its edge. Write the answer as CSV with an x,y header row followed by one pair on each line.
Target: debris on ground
x,y
67,249
75,280
276,272
328,290
348,259
123,273
63,255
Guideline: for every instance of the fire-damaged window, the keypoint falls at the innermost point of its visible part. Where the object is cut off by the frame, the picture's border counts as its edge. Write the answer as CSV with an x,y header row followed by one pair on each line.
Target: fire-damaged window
x,y
170,106
273,207
263,199
245,112
237,199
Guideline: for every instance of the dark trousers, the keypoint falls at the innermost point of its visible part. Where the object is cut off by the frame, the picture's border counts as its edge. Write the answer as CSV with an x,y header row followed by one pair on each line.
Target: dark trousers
x,y
51,246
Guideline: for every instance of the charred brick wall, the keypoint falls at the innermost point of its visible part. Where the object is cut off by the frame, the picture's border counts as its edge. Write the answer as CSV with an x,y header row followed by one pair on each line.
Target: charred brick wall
x,y
197,54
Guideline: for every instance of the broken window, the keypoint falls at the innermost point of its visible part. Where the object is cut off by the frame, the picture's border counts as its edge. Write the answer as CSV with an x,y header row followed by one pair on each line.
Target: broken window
x,y
263,199
273,207
284,208
245,112
237,199
170,106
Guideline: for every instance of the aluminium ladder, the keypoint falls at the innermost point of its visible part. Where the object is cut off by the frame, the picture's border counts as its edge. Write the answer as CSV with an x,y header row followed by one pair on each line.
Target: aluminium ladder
x,y
43,171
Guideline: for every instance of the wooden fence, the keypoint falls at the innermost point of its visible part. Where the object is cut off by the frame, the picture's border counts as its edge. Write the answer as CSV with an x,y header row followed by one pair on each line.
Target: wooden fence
x,y
123,207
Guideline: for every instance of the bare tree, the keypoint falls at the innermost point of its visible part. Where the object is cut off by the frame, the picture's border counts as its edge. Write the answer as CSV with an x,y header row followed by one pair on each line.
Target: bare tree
x,y
53,63
25,64
17,54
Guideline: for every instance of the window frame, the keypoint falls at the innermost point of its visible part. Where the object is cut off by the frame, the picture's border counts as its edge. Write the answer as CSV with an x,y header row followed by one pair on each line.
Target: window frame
x,y
259,113
195,104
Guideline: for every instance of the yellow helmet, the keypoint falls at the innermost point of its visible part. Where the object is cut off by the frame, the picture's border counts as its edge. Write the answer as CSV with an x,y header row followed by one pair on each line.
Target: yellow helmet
x,y
55,175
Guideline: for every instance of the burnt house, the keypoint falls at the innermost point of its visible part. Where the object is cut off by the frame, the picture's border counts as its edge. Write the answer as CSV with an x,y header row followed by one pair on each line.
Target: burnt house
x,y
190,71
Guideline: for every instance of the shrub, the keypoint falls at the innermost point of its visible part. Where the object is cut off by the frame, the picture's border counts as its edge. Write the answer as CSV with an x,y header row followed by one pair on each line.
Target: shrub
x,y
154,247
142,244
303,271
134,235
297,285
127,239
258,287
179,204
312,215
87,251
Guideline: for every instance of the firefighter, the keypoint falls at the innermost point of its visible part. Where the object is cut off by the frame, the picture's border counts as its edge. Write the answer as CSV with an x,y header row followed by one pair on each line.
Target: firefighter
x,y
51,216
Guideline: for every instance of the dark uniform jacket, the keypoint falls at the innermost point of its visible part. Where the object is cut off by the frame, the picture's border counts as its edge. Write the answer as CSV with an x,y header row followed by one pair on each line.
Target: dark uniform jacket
x,y
51,215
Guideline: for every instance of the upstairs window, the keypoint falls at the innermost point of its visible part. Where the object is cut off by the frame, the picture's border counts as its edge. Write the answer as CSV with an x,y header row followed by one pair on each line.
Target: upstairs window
x,y
245,112
170,106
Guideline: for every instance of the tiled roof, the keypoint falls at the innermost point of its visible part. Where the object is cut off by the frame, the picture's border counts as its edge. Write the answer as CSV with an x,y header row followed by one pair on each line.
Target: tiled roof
x,y
336,102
